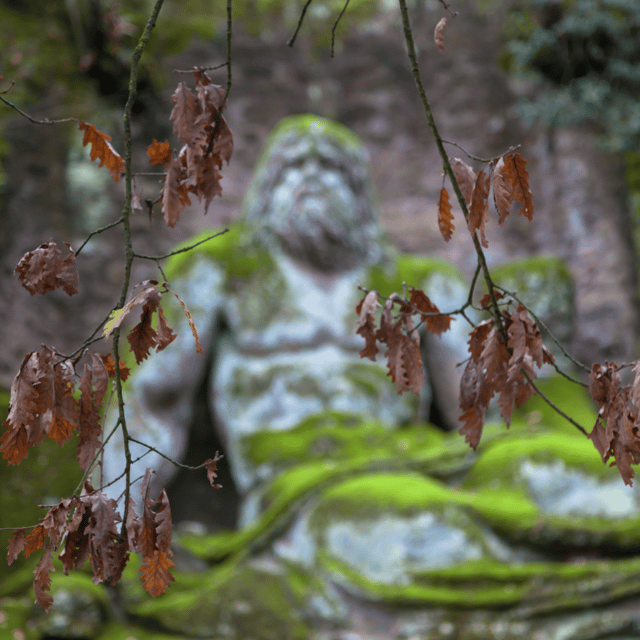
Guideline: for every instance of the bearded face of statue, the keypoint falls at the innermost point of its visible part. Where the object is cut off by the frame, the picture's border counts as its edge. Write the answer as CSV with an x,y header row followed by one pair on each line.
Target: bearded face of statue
x,y
312,200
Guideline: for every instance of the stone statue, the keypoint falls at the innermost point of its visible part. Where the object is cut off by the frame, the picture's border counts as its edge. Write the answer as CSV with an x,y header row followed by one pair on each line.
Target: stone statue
x,y
274,303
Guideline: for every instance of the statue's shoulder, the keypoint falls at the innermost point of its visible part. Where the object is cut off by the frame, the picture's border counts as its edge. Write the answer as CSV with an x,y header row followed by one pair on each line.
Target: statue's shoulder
x,y
414,270
230,253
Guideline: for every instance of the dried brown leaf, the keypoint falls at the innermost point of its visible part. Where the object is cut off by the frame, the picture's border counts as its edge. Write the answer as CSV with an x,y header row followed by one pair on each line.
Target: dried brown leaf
x,y
174,192
185,114
155,576
473,419
16,545
42,581
502,192
35,540
148,296
189,317
102,150
438,34
435,324
445,216
465,177
159,152
478,212
44,270
367,326
212,470
518,176
93,388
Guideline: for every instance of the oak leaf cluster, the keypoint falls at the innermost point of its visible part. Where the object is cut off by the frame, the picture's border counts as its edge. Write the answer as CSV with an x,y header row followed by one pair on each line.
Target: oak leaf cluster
x,y
50,399
208,142
510,182
400,334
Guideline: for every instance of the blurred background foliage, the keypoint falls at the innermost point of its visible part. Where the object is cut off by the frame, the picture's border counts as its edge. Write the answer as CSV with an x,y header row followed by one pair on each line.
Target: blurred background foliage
x,y
582,58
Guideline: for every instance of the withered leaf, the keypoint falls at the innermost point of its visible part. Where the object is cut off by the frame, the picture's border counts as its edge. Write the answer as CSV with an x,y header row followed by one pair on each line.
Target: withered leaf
x,y
155,576
30,407
148,296
435,324
16,545
165,334
473,419
465,177
163,521
110,366
42,581
35,540
44,270
502,192
102,150
189,317
93,388
159,152
367,325
515,171
485,301
438,34
185,114
478,211
174,193
212,470
445,216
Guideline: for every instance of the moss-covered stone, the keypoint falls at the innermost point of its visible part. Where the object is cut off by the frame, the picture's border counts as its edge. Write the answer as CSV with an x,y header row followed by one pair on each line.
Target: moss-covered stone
x,y
239,602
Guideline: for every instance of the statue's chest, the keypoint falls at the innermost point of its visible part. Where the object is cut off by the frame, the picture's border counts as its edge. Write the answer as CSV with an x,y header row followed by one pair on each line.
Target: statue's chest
x,y
280,363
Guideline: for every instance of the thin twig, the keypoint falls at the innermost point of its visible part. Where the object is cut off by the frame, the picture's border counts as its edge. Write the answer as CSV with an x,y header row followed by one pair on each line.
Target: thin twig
x,y
540,323
300,19
35,120
216,125
415,70
183,250
483,160
218,66
129,253
171,460
447,6
97,231
335,26
554,406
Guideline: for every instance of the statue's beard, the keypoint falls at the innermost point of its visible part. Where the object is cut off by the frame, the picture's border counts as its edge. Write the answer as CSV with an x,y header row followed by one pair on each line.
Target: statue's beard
x,y
319,231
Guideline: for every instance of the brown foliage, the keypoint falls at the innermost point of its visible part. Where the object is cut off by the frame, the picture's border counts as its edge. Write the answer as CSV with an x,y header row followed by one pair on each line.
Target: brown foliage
x,y
102,150
438,34
208,142
445,217
44,270
399,334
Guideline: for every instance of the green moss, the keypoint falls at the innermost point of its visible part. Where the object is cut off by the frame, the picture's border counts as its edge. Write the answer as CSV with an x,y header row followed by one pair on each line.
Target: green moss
x,y
412,270
370,495
415,593
118,631
230,251
348,437
240,602
15,616
548,586
551,268
310,124
500,461
572,398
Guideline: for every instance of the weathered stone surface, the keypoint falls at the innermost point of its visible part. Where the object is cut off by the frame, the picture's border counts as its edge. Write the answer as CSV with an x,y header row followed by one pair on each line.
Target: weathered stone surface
x,y
275,305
